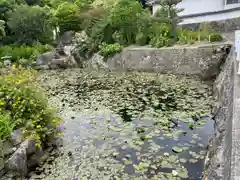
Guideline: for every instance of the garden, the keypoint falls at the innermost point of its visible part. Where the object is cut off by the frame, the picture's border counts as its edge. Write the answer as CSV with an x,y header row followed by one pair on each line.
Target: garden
x,y
32,27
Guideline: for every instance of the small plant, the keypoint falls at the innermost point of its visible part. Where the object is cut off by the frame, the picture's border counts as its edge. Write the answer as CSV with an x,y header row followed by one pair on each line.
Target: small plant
x,y
6,124
24,104
141,39
214,37
108,50
23,52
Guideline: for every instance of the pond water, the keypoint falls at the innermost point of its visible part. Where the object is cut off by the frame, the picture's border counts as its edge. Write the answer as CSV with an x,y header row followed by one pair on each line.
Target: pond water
x,y
128,126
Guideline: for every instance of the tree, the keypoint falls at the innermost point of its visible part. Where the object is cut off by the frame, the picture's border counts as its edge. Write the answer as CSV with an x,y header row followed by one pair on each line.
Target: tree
x,y
169,6
29,24
68,17
124,17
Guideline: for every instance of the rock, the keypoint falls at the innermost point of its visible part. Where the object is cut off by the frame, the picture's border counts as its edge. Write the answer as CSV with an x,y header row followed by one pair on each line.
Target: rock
x,y
1,149
7,148
16,137
30,146
42,67
97,61
67,38
36,159
45,58
63,62
1,163
7,63
18,162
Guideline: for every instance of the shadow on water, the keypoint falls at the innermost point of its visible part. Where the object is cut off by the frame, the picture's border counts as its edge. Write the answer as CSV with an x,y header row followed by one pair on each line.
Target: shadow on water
x,y
194,140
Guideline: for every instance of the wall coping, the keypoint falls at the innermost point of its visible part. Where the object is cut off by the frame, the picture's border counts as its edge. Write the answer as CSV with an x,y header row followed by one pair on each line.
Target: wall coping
x,y
235,155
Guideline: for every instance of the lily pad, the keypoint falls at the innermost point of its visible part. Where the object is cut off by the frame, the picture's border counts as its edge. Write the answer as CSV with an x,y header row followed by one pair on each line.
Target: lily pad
x,y
177,149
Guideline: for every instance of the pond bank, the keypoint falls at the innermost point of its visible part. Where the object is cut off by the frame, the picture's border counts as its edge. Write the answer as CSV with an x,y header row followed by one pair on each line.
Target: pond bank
x,y
128,125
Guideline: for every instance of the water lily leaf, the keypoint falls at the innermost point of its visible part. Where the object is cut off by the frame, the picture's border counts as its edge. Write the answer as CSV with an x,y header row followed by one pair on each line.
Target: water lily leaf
x,y
177,149
183,173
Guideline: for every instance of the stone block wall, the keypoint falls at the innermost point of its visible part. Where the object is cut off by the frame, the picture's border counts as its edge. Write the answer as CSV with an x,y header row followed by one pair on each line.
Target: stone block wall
x,y
218,165
200,60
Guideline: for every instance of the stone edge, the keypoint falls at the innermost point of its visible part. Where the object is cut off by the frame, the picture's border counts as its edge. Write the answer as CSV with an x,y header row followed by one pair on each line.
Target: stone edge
x,y
235,155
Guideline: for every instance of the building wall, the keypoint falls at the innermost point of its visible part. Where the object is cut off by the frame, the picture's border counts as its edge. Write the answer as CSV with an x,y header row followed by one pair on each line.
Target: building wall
x,y
197,6
212,17
200,6
193,7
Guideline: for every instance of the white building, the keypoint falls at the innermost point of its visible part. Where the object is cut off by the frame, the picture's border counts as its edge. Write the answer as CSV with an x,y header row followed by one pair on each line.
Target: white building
x,y
196,11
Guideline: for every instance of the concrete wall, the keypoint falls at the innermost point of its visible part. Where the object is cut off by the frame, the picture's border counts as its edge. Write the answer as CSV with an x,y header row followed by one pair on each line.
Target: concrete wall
x,y
205,10
211,17
200,6
199,60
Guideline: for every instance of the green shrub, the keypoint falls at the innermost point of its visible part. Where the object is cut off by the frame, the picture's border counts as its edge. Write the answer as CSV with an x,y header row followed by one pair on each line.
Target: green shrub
x,y
31,24
23,52
23,104
125,18
68,17
141,39
160,35
213,37
6,125
108,50
161,41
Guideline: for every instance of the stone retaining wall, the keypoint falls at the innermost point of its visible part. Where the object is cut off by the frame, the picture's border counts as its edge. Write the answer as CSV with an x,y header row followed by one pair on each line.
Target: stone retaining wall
x,y
224,149
218,165
200,60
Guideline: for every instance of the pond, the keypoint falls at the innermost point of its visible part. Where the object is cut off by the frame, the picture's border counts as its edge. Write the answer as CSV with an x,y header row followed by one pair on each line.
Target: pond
x,y
128,125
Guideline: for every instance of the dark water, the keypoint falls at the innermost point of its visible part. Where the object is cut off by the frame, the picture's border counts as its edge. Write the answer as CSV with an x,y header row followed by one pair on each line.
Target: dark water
x,y
76,138
113,128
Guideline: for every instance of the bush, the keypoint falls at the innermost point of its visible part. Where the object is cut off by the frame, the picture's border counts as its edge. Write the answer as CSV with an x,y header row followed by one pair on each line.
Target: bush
x,y
213,37
6,125
68,17
160,35
125,18
23,52
23,104
31,24
108,50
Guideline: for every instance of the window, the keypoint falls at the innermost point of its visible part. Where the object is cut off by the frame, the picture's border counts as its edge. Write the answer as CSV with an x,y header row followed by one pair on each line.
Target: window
x,y
232,1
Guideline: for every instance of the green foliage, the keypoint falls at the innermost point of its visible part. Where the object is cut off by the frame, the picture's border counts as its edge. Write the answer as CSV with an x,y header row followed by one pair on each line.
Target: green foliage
x,y
2,29
141,38
30,24
83,4
107,50
6,125
68,17
34,2
23,104
170,14
125,18
160,35
189,36
23,52
213,37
